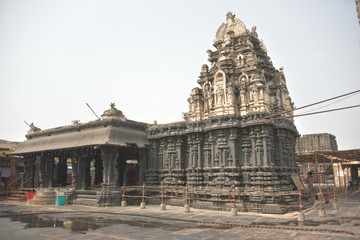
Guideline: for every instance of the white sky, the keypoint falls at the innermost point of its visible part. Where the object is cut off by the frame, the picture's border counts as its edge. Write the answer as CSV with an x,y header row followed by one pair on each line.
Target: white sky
x,y
146,57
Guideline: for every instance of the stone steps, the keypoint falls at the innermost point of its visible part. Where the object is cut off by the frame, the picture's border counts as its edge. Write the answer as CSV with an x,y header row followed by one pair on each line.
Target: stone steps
x,y
87,191
85,202
44,198
19,194
43,202
86,197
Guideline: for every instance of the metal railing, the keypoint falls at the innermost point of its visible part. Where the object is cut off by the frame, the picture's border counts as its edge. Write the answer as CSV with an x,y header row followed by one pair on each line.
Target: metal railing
x,y
232,197
10,184
24,182
188,195
21,186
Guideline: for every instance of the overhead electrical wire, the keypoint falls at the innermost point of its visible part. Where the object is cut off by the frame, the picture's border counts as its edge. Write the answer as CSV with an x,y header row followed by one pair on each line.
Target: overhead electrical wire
x,y
278,115
326,100
311,113
340,100
325,111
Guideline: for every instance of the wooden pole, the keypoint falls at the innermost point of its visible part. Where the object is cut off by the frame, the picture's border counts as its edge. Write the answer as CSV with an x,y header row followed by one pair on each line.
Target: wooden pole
x,y
338,174
335,203
320,196
345,182
317,173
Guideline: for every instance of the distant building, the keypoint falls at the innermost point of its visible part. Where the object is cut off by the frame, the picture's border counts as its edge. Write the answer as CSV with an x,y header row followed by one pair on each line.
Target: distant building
x,y
310,143
318,155
7,163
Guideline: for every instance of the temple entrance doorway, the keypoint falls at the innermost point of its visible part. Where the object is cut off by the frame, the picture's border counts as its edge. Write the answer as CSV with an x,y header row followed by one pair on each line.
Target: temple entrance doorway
x,y
131,172
128,166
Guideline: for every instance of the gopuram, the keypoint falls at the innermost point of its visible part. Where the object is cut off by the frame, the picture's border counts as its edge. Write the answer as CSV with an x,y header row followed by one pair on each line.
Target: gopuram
x,y
239,129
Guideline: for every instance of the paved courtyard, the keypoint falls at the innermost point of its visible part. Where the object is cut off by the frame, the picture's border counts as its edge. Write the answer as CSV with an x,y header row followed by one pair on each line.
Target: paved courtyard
x,y
21,221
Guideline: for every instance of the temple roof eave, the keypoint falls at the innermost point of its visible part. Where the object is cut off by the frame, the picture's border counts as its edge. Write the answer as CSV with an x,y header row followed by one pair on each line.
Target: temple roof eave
x,y
222,122
89,125
104,136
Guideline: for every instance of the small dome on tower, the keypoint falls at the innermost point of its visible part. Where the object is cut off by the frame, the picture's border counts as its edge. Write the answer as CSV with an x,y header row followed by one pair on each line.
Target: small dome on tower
x,y
232,28
113,112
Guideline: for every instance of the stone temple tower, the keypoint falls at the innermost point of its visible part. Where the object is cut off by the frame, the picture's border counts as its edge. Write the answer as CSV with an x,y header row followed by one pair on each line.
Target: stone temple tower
x,y
239,129
241,80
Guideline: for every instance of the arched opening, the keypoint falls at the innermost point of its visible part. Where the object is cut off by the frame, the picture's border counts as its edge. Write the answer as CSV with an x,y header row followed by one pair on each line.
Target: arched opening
x,y
219,78
240,60
231,33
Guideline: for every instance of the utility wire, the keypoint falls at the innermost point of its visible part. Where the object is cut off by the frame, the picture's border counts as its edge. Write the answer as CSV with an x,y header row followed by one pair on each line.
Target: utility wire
x,y
313,113
340,100
325,111
312,104
326,100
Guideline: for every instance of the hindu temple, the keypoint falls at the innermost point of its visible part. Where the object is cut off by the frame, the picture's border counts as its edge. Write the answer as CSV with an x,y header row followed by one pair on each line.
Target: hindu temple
x,y
239,131
97,156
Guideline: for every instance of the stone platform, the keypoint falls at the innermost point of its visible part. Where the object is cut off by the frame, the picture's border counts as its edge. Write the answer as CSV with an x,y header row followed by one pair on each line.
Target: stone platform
x,y
84,222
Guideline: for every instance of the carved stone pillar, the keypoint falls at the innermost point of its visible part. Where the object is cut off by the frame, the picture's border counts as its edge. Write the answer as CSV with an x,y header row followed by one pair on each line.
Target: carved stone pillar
x,y
246,147
44,166
264,137
109,155
199,147
75,175
110,194
279,148
50,170
253,148
212,149
152,154
162,147
29,165
142,164
233,158
292,149
82,167
41,163
124,154
37,172
207,153
179,154
62,171
98,170
155,164
259,152
189,153
87,172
